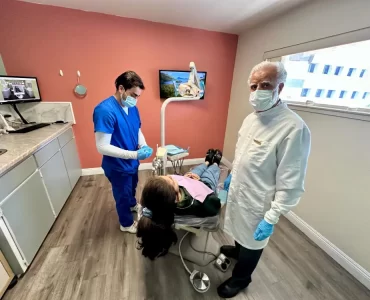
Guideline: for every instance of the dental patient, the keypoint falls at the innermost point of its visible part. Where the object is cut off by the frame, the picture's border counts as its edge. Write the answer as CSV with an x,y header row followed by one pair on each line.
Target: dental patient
x,y
164,196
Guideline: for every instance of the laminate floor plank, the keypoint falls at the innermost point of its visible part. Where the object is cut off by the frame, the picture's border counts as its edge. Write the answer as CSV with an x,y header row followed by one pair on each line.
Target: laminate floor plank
x,y
86,257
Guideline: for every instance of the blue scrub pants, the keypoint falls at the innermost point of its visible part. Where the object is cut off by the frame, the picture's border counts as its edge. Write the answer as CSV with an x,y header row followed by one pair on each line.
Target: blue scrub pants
x,y
124,190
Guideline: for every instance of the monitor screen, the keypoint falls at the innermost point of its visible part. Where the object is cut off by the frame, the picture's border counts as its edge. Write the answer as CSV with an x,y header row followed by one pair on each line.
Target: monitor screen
x,y
18,89
169,82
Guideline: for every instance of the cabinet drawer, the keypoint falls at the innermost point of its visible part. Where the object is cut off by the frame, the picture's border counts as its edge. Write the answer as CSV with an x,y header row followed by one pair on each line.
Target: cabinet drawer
x,y
65,137
28,214
47,152
16,176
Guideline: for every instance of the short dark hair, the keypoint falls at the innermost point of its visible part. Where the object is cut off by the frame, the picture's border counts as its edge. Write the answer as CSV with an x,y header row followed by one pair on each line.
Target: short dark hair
x,y
128,80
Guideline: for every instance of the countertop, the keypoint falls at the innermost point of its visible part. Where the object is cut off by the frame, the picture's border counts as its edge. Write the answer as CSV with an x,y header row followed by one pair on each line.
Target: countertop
x,y
22,145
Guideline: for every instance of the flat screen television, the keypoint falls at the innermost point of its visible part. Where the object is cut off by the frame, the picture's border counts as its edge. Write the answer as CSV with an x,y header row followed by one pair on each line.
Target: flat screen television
x,y
169,81
18,90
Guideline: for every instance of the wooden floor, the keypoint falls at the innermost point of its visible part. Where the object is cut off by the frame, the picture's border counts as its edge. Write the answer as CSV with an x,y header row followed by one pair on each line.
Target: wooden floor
x,y
86,257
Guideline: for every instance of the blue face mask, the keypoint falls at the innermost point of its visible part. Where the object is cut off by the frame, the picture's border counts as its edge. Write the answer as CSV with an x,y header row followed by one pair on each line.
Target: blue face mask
x,y
129,102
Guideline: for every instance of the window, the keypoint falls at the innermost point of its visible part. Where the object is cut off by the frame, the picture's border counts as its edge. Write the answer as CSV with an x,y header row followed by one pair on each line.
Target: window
x,y
326,69
330,93
342,94
319,92
332,76
338,70
294,83
305,92
351,71
311,68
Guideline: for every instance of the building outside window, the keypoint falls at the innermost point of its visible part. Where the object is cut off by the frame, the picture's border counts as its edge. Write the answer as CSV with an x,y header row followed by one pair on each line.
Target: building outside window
x,y
305,92
343,94
336,76
338,70
326,69
319,92
311,68
351,71
330,93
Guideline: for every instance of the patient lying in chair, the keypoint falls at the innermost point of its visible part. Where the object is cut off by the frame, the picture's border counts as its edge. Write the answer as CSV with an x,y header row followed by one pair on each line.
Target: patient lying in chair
x,y
164,196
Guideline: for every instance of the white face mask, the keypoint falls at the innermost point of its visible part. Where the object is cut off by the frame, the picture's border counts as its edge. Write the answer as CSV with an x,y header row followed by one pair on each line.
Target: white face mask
x,y
262,100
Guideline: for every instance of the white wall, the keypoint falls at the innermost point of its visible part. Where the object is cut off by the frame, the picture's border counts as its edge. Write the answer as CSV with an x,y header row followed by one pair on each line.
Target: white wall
x,y
336,203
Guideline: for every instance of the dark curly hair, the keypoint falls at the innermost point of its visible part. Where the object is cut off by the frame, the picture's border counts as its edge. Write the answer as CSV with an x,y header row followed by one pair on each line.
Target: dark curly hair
x,y
155,234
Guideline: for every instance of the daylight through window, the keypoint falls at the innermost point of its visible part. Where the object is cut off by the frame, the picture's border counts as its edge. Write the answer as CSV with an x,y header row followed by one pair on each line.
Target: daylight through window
x,y
336,76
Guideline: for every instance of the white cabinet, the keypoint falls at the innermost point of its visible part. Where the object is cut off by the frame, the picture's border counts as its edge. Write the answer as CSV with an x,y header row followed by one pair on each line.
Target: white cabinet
x,y
56,180
72,161
28,215
32,194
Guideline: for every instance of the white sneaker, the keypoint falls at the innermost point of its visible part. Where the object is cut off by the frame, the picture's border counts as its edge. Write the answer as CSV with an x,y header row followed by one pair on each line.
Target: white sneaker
x,y
136,208
131,229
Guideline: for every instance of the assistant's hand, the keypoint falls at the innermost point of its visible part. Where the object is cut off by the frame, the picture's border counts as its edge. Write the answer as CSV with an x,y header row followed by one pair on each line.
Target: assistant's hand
x,y
144,153
148,150
263,231
227,183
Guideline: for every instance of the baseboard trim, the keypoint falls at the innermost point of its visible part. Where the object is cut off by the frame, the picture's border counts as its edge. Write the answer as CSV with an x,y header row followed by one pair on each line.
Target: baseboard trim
x,y
338,255
92,171
227,163
144,166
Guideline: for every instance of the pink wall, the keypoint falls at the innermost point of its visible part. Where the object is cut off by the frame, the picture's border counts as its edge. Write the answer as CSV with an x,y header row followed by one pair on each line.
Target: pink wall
x,y
38,40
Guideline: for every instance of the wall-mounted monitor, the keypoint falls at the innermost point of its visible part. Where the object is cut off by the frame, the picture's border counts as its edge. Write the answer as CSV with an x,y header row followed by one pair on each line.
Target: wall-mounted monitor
x,y
169,81
19,90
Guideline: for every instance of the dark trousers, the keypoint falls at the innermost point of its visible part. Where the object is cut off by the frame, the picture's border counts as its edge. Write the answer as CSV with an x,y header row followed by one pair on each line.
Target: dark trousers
x,y
247,263
124,190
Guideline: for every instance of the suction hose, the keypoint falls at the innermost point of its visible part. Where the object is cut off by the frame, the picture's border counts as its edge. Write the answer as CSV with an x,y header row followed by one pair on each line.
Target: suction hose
x,y
199,280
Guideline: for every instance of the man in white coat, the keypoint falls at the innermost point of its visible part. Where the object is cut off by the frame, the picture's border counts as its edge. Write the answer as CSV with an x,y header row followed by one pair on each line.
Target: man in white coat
x,y
267,178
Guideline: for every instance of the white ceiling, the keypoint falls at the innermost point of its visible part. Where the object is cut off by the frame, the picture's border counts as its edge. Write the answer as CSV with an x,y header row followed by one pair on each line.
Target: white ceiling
x,y
231,16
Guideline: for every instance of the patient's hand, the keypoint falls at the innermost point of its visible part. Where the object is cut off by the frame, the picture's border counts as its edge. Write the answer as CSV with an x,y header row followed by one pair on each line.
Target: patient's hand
x,y
192,176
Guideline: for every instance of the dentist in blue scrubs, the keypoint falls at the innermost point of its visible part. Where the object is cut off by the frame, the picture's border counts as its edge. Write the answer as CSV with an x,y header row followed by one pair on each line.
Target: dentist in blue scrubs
x,y
119,139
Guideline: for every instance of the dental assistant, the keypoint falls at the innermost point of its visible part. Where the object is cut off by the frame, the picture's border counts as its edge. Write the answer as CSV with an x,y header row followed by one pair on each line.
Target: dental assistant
x,y
267,178
119,139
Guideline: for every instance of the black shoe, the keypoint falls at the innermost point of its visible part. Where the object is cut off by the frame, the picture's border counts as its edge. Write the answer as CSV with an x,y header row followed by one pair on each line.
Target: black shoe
x,y
209,155
230,252
217,157
229,290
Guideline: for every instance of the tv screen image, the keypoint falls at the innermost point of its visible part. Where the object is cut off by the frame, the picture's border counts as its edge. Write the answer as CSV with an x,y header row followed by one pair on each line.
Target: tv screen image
x,y
18,89
170,80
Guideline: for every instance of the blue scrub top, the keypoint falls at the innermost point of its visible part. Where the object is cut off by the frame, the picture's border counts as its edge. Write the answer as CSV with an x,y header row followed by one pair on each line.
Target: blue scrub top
x,y
109,117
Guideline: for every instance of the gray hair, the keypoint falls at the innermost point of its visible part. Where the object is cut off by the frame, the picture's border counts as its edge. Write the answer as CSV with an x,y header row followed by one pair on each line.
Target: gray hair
x,y
281,72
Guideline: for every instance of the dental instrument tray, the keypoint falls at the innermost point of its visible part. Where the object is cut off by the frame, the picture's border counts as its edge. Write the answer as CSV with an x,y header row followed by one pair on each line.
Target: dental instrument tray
x,y
174,150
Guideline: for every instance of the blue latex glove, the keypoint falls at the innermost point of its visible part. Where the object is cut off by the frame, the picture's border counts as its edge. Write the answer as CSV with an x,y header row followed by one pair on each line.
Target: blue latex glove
x,y
148,150
263,231
227,183
144,153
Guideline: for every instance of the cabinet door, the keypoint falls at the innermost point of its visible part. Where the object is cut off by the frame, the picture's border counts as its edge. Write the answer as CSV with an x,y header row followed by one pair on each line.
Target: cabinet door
x,y
56,181
29,215
72,162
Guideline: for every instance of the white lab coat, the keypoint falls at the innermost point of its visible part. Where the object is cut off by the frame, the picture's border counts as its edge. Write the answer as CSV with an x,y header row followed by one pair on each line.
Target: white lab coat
x,y
268,172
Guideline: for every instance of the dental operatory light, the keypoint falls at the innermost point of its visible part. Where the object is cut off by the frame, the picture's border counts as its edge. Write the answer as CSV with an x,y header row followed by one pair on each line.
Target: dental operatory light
x,y
189,91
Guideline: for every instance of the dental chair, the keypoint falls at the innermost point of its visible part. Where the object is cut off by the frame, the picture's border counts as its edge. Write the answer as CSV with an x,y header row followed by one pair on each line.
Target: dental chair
x,y
196,242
